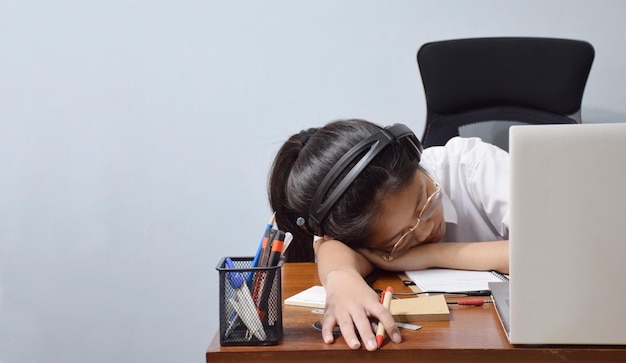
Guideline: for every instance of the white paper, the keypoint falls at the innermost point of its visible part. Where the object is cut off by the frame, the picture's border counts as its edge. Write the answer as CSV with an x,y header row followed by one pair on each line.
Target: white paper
x,y
451,280
314,297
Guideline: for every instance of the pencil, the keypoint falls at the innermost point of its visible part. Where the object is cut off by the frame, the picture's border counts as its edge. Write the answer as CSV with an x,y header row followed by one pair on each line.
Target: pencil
x,y
386,301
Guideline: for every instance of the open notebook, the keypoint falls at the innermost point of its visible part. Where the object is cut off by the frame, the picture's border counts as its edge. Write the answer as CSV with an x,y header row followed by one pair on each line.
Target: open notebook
x,y
567,235
449,280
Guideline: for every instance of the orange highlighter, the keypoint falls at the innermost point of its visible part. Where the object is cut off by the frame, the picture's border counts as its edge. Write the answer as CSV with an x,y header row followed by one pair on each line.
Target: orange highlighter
x,y
385,299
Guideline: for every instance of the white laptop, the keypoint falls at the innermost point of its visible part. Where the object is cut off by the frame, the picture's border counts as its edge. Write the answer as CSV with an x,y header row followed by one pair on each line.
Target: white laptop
x,y
567,236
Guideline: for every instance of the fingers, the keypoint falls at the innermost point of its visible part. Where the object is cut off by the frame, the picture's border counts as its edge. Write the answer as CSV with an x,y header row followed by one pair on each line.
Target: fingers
x,y
347,330
327,330
352,305
364,327
384,318
392,329
357,326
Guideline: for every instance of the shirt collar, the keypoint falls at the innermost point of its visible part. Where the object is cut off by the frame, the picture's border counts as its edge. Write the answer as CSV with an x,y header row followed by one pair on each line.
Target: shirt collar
x,y
449,211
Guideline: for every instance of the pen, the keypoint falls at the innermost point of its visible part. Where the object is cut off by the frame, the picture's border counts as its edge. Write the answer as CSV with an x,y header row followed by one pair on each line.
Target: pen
x,y
466,293
262,292
473,302
477,293
269,299
386,301
243,304
263,260
233,317
259,251
277,248
288,239
267,247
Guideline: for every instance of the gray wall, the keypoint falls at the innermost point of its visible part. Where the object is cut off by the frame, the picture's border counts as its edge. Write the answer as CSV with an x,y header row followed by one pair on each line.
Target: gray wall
x,y
136,136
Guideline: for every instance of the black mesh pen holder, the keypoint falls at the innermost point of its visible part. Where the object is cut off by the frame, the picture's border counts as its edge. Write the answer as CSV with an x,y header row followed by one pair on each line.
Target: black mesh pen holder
x,y
250,302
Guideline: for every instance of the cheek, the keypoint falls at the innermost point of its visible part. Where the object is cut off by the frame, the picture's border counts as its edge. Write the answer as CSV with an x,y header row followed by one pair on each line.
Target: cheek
x,y
438,220
435,229
419,237
440,228
441,231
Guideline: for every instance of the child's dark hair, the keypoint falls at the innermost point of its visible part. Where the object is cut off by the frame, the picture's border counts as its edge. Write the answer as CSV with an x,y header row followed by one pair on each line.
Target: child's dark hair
x,y
305,159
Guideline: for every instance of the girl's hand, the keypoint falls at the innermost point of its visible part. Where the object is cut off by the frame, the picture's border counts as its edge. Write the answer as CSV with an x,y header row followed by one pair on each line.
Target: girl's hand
x,y
350,304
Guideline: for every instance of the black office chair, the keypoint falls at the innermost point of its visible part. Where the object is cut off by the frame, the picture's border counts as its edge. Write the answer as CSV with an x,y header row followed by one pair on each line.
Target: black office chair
x,y
482,86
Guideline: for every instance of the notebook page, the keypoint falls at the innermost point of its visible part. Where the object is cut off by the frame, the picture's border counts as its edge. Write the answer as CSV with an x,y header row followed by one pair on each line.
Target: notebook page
x,y
453,280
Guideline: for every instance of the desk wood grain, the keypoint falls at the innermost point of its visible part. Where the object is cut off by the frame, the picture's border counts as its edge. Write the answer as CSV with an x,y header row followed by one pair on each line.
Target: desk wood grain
x,y
473,334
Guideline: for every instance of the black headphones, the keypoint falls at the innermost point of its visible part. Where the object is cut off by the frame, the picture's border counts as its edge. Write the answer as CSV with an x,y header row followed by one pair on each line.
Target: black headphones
x,y
374,144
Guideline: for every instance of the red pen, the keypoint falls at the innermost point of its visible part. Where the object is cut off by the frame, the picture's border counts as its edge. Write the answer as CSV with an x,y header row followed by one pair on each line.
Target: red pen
x,y
267,278
474,302
263,260
273,256
385,299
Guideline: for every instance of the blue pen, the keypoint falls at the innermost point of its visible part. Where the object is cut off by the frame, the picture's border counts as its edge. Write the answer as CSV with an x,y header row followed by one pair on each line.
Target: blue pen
x,y
259,251
235,282
234,278
243,304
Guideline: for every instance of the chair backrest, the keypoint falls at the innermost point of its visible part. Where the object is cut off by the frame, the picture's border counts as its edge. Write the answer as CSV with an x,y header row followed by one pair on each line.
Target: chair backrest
x,y
481,86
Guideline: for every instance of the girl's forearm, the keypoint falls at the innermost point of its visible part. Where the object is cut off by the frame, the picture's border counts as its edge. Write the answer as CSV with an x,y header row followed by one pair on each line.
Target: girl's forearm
x,y
481,256
470,256
335,256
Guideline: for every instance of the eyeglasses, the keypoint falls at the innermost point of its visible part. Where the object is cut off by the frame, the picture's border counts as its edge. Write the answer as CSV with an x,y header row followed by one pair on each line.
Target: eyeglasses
x,y
429,208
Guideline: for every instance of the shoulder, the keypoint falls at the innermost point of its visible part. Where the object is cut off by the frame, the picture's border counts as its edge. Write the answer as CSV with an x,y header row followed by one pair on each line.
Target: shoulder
x,y
466,151
459,146
475,176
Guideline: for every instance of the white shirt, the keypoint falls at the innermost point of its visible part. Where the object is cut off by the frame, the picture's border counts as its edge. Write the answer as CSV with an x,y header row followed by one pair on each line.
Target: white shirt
x,y
474,177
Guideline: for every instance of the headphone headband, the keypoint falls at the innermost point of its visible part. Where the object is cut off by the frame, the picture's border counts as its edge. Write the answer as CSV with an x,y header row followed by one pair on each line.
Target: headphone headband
x,y
322,203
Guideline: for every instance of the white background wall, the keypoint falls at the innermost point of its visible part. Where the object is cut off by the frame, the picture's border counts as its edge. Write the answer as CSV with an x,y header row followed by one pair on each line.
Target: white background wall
x,y
136,136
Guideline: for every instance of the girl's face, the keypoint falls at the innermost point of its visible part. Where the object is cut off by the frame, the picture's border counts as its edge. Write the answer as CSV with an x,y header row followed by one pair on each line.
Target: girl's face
x,y
409,217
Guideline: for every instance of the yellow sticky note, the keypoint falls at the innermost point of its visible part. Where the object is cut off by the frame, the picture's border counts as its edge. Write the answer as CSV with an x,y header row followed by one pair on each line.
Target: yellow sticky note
x,y
425,308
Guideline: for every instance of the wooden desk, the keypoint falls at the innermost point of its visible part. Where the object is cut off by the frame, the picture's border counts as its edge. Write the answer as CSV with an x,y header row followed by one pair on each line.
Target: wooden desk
x,y
473,334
